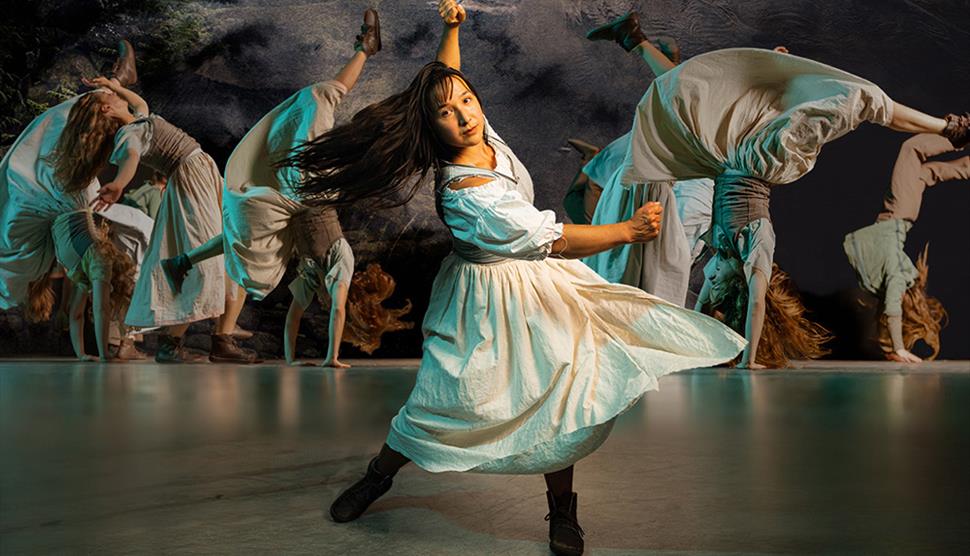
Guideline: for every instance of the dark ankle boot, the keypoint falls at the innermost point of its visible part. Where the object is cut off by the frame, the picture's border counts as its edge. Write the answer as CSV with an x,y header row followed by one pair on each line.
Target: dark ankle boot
x,y
226,350
957,129
369,39
625,31
124,67
170,350
355,500
565,534
175,270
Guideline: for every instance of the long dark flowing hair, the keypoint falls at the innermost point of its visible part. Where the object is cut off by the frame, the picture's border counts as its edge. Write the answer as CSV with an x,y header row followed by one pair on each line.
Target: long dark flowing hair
x,y
386,150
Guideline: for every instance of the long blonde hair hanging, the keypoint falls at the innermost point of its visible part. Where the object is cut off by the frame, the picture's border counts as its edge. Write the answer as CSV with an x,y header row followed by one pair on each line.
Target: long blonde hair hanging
x,y
85,145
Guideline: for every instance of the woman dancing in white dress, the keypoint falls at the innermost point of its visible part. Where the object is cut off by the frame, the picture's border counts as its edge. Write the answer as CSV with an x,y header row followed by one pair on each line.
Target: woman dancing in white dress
x,y
528,358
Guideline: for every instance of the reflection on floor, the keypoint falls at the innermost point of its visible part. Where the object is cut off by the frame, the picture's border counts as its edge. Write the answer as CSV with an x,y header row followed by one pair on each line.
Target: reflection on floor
x,y
833,457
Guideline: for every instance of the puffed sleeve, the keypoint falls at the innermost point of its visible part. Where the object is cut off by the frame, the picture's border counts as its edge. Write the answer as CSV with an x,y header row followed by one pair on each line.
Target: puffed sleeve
x,y
500,221
136,135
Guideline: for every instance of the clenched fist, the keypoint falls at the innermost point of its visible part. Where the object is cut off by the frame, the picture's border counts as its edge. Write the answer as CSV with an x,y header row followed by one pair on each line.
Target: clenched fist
x,y
645,224
451,13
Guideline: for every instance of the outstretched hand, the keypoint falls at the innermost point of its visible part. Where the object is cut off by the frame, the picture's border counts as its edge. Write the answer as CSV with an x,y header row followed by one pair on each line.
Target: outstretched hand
x,y
108,195
451,13
645,223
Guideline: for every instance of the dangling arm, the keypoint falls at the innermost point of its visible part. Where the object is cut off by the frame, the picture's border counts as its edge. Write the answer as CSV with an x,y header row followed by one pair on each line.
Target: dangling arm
x,y
704,297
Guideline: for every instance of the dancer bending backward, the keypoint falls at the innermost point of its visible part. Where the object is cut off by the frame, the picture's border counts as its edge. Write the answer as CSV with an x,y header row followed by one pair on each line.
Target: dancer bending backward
x,y
32,197
187,218
753,119
661,267
528,358
664,267
97,269
882,266
264,221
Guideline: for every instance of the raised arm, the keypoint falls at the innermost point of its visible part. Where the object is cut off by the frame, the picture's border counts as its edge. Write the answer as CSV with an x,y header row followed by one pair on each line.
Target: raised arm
x,y
452,16
135,102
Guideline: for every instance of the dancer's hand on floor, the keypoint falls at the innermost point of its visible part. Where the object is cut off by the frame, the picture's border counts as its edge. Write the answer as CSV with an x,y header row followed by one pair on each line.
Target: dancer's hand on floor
x,y
451,13
751,366
301,363
107,196
645,224
904,356
335,363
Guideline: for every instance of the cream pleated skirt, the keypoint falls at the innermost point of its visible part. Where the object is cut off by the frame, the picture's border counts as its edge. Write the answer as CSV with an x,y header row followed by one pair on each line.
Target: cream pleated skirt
x,y
189,216
527,363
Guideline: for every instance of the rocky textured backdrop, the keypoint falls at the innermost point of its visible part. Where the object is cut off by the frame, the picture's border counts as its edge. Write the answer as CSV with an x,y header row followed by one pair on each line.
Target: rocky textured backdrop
x,y
215,67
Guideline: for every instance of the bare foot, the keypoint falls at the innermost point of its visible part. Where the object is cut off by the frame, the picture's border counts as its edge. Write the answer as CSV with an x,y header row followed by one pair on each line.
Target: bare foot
x,y
751,366
335,363
87,358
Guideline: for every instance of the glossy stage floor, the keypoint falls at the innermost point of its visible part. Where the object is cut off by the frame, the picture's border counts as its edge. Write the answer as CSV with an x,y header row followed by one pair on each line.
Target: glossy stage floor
x,y
144,459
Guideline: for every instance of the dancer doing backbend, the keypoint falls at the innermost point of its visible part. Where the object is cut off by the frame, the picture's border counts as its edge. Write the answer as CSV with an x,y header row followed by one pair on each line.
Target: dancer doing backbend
x,y
661,267
263,220
32,197
97,269
114,125
528,356
882,266
752,119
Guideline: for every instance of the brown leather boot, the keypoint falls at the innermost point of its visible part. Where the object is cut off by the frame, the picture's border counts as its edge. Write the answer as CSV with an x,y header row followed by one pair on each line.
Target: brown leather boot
x,y
369,39
124,67
565,534
170,350
241,333
957,129
127,351
586,150
625,31
226,350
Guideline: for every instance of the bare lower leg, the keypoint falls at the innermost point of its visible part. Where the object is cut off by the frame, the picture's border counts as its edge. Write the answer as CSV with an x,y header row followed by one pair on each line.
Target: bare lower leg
x,y
212,248
349,74
235,299
100,291
560,483
389,461
654,58
909,120
177,330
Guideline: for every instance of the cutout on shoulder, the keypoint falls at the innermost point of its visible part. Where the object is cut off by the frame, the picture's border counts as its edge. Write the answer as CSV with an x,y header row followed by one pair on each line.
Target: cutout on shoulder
x,y
471,181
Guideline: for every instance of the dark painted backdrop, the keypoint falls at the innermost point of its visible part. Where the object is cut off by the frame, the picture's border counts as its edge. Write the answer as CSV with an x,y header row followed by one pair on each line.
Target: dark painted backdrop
x,y
215,67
